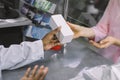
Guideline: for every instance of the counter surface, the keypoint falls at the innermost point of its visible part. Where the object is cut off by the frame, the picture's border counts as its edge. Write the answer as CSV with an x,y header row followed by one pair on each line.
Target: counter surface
x,y
58,70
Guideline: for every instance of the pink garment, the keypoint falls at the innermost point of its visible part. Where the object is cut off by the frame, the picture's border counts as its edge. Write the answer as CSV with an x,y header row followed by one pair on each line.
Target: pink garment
x,y
109,25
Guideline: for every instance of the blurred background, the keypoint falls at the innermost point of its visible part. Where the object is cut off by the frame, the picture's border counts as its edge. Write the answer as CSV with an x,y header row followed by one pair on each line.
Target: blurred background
x,y
82,12
86,12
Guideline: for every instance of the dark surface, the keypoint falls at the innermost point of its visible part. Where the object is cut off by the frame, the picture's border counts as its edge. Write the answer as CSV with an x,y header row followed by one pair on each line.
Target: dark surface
x,y
12,35
76,50
8,9
7,13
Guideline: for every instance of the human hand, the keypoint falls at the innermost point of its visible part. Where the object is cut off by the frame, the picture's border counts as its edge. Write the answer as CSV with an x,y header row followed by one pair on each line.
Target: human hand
x,y
49,40
35,74
105,42
76,29
80,31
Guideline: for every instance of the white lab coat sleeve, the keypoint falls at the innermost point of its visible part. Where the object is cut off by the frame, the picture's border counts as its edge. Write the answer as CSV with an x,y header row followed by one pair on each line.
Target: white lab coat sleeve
x,y
102,72
19,55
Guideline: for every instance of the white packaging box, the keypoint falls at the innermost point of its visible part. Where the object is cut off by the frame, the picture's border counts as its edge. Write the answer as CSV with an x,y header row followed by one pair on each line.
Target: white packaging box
x,y
65,35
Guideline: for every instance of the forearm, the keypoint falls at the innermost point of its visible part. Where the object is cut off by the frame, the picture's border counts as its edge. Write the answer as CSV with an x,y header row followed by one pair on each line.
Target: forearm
x,y
117,42
87,32
19,55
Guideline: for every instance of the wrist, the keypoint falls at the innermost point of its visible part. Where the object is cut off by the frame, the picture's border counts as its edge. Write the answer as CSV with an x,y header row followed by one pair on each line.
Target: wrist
x,y
117,42
88,33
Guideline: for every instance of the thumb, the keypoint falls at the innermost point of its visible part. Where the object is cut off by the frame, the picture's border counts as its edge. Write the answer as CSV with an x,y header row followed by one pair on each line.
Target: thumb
x,y
56,30
71,25
103,41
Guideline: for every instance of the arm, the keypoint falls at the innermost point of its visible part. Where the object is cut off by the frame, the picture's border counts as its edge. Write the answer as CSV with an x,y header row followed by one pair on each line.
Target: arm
x,y
98,32
19,55
27,52
117,42
102,28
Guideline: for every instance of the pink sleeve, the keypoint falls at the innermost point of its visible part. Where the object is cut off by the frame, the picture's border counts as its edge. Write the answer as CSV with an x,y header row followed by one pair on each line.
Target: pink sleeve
x,y
102,28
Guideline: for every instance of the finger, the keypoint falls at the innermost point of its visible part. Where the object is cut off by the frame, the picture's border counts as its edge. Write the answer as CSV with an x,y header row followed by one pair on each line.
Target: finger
x,y
54,41
71,24
45,73
105,45
40,73
51,45
103,41
95,44
54,37
27,72
55,44
58,43
34,71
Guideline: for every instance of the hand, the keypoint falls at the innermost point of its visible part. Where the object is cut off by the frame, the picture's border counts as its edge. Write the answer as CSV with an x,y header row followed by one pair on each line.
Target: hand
x,y
35,74
76,29
49,40
105,42
80,31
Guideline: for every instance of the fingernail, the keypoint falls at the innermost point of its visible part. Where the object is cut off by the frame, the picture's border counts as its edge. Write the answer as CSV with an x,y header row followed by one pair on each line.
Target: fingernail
x,y
42,66
46,69
36,66
29,68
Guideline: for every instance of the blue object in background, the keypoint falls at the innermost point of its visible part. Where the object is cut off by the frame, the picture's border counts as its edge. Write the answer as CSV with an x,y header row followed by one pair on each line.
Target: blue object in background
x,y
46,18
39,33
38,17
